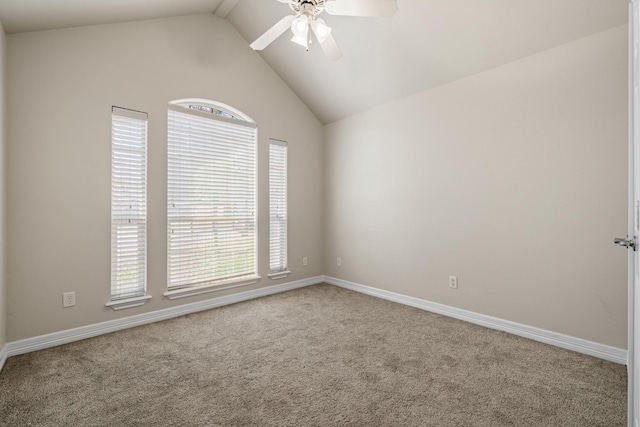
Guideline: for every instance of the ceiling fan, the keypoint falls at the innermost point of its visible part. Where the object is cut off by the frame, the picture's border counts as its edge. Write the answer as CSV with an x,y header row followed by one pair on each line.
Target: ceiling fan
x,y
305,18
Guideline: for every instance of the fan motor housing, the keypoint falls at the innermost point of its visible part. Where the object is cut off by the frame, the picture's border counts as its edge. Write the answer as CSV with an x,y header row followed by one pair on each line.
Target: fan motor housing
x,y
312,7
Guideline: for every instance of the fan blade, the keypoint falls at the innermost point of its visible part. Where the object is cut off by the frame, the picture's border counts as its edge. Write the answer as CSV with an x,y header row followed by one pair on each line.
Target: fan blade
x,y
368,8
272,33
331,49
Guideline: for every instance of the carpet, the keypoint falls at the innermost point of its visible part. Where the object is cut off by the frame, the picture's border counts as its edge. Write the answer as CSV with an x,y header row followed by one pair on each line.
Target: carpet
x,y
316,356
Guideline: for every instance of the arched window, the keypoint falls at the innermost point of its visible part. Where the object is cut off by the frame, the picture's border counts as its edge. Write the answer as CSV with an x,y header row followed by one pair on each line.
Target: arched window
x,y
211,211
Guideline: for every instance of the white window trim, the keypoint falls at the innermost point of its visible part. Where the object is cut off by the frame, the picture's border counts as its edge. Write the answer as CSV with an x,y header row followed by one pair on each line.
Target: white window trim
x,y
129,302
221,285
279,275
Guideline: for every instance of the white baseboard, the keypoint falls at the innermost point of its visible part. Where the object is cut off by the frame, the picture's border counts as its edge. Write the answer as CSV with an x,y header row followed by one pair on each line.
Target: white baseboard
x,y
63,337
612,354
3,356
590,348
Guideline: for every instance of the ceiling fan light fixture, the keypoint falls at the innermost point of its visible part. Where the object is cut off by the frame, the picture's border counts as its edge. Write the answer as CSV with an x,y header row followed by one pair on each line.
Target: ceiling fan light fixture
x,y
300,26
302,41
320,29
304,19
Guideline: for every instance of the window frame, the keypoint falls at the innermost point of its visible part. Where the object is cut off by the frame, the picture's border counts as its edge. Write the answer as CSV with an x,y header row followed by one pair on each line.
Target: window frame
x,y
230,118
129,179
278,209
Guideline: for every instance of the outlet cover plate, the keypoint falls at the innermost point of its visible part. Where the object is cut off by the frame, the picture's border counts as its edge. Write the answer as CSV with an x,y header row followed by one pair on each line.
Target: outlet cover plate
x,y
68,299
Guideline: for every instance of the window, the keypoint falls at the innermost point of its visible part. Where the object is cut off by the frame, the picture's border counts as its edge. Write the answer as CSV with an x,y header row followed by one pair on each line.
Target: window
x,y
278,209
211,209
128,208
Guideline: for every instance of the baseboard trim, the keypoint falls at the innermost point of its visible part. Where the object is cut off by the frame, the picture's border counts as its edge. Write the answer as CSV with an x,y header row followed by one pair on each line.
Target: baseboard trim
x,y
612,354
54,339
3,356
64,337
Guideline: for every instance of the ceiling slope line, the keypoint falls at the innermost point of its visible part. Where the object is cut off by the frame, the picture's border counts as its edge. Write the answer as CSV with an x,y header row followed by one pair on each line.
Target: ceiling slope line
x,y
225,8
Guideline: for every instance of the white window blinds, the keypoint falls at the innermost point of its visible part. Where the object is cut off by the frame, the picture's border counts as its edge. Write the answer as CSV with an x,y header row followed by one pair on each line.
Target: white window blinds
x,y
128,203
211,198
277,206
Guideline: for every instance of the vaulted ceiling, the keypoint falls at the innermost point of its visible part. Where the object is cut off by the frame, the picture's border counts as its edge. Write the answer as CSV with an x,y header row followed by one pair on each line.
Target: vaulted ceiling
x,y
427,43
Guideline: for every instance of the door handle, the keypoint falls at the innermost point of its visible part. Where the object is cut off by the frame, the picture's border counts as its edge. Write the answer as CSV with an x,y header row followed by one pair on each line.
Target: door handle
x,y
626,242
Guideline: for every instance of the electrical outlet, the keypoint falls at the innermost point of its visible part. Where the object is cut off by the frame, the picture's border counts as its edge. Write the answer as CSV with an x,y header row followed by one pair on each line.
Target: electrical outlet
x,y
339,261
68,299
305,261
453,282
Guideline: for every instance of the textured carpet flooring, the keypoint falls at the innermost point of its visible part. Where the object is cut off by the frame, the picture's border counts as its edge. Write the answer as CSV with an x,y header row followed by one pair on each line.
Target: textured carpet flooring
x,y
318,356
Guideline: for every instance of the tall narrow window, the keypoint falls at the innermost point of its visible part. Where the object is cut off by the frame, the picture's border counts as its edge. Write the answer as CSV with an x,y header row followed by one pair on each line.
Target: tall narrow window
x,y
211,211
128,206
277,209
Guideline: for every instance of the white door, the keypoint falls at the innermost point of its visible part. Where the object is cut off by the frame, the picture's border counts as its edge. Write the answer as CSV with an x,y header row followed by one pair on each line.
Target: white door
x,y
631,241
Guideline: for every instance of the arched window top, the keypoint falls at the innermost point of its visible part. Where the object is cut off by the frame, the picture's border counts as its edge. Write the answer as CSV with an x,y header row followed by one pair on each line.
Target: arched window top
x,y
212,107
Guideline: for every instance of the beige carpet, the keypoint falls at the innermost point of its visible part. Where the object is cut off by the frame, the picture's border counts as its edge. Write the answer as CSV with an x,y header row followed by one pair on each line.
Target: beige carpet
x,y
318,356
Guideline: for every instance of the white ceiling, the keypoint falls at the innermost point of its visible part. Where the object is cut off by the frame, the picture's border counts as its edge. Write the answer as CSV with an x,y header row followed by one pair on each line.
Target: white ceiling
x,y
427,44
34,15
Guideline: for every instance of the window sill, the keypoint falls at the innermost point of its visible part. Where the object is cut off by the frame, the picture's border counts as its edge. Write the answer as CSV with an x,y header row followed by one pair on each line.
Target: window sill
x,y
279,275
120,304
213,287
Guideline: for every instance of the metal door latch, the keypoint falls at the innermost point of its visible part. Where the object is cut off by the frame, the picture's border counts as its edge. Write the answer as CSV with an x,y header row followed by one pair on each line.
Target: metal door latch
x,y
626,242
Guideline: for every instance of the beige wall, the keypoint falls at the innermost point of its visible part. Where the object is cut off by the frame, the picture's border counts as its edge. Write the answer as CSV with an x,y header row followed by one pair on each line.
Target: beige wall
x,y
514,179
3,127
62,85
